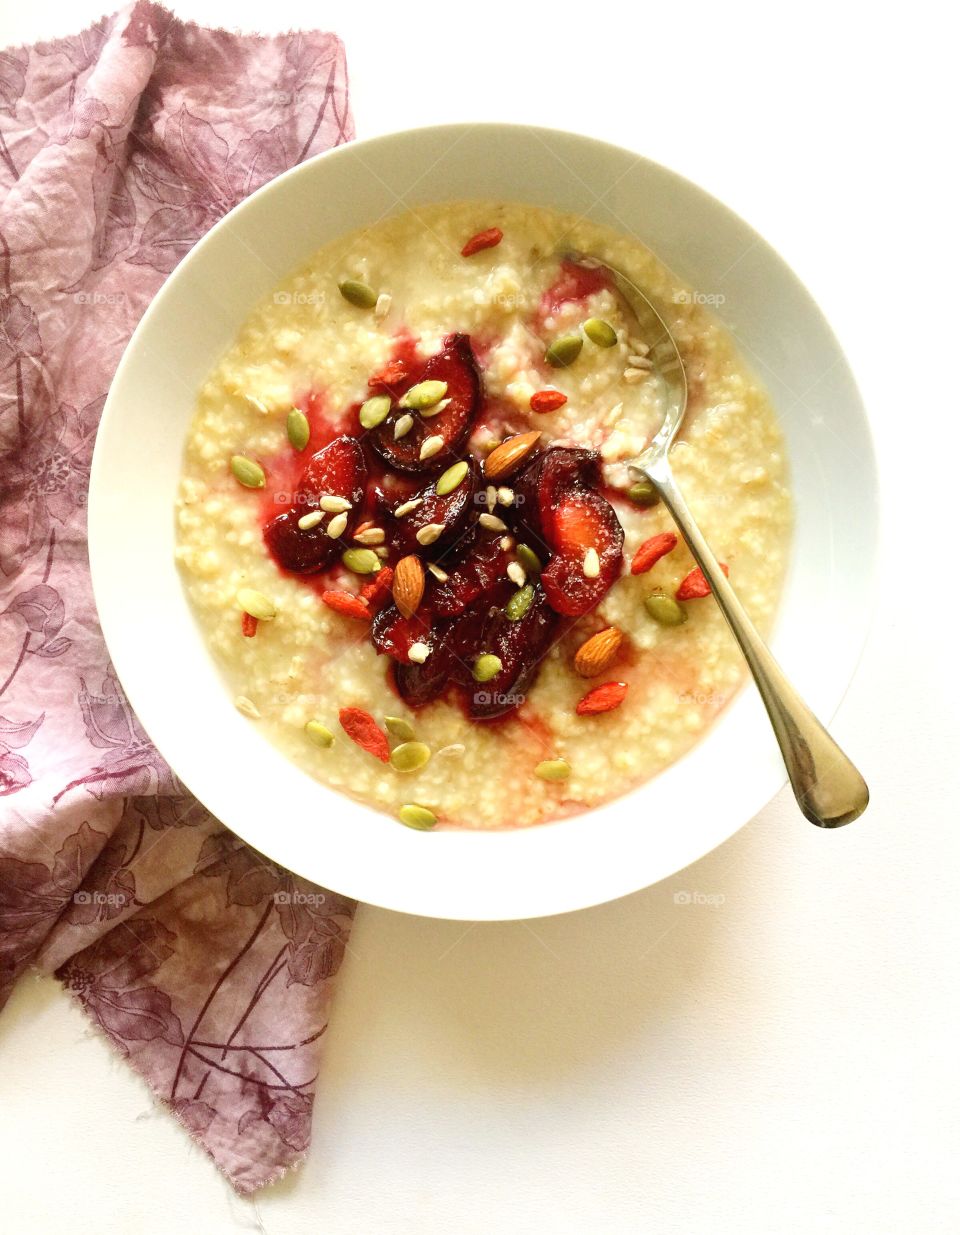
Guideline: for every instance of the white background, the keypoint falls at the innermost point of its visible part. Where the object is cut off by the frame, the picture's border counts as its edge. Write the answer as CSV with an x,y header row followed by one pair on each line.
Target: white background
x,y
784,1061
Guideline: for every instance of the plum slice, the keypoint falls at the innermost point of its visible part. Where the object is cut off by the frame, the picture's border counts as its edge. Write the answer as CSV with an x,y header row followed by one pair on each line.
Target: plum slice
x,y
394,635
450,511
521,645
474,570
454,364
563,512
454,643
339,470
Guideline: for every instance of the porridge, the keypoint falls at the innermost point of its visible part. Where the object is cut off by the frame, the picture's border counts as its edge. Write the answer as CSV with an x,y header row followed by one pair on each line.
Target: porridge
x,y
409,530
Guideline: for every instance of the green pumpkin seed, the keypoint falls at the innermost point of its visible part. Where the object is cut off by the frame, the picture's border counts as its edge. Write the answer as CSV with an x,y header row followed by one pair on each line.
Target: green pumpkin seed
x,y
318,734
361,295
375,411
298,428
424,394
251,475
665,610
361,561
563,351
256,604
519,603
452,477
553,769
600,332
409,756
486,667
399,727
643,494
417,817
528,560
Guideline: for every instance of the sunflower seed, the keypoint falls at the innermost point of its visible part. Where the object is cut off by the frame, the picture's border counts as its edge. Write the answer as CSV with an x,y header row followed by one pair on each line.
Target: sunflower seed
x,y
591,564
419,652
516,574
337,526
405,507
310,520
370,536
402,426
492,522
428,534
335,505
431,446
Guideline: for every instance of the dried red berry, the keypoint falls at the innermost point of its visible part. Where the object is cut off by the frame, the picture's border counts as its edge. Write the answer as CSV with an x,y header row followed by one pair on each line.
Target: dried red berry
x,y
651,551
482,240
248,625
378,589
547,400
602,699
695,585
347,603
395,372
360,727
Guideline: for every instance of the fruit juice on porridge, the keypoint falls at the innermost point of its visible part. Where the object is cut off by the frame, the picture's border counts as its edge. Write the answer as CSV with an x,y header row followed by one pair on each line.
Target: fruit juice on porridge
x,y
409,530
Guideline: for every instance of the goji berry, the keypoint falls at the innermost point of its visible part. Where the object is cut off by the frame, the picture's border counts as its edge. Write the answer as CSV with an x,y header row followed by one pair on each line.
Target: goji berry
x,y
347,603
651,551
482,240
602,699
695,585
361,728
547,400
248,625
378,589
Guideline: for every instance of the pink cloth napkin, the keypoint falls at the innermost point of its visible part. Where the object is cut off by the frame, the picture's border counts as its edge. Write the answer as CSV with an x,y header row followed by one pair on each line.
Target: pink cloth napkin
x,y
206,966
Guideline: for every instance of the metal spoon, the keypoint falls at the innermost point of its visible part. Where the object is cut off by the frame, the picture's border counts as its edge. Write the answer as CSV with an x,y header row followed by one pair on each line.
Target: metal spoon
x,y
828,788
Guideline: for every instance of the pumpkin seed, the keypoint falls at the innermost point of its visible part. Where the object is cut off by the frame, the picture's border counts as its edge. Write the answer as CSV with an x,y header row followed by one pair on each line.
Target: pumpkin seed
x,y
361,295
251,475
310,520
424,394
452,477
528,560
337,526
298,428
665,610
399,727
431,446
360,561
335,505
563,351
643,494
519,603
486,667
375,411
417,817
409,756
552,769
600,332
256,604
318,734
402,426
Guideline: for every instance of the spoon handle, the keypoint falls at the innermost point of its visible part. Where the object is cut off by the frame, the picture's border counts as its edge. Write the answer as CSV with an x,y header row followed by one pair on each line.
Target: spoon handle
x,y
828,788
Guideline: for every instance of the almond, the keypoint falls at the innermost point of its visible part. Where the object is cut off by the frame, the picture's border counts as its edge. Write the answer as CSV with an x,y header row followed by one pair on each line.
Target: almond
x,y
408,584
599,652
504,459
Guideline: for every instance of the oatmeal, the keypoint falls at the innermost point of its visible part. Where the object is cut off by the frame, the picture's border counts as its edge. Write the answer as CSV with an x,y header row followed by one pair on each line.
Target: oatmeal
x,y
409,529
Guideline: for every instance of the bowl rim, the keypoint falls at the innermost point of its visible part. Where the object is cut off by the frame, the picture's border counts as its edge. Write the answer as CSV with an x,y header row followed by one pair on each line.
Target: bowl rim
x,y
619,884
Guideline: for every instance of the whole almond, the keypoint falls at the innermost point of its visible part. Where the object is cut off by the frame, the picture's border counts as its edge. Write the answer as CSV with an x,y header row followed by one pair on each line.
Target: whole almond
x,y
408,584
599,652
504,460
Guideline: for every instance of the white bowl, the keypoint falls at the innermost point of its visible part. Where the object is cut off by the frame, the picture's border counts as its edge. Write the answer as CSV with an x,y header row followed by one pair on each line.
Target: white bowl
x,y
170,678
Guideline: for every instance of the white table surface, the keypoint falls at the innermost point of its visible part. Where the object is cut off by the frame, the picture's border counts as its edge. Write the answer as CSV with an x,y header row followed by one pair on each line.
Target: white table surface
x,y
780,1062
